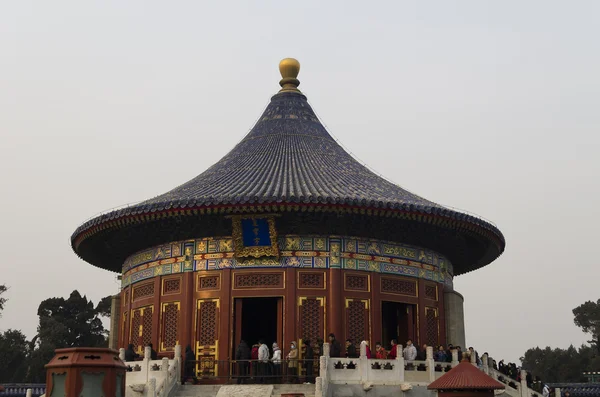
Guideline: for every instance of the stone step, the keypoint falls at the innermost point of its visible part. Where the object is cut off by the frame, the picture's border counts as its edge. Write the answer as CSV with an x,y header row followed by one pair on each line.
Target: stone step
x,y
212,390
293,386
307,390
198,391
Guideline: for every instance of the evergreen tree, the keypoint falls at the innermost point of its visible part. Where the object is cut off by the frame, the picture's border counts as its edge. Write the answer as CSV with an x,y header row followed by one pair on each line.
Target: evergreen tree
x,y
72,322
13,356
587,316
3,289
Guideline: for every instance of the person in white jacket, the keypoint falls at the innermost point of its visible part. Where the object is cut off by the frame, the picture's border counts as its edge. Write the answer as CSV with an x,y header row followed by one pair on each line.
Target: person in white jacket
x,y
546,391
276,360
410,351
263,361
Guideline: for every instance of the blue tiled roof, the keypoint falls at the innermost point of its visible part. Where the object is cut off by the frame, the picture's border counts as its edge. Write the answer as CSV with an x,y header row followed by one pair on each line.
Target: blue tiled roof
x,y
578,389
289,158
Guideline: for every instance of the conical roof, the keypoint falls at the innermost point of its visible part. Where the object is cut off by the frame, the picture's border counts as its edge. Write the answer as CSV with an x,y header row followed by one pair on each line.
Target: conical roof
x,y
465,376
287,159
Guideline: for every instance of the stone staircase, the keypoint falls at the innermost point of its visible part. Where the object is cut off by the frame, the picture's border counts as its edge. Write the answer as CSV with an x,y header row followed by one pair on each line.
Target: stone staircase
x,y
212,390
307,390
197,391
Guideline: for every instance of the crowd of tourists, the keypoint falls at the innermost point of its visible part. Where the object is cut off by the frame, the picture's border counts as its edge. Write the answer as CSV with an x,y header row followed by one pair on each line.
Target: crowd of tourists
x,y
259,364
512,372
410,352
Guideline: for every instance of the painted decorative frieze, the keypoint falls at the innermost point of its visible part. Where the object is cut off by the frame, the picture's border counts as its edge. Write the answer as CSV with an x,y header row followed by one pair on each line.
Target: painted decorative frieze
x,y
311,252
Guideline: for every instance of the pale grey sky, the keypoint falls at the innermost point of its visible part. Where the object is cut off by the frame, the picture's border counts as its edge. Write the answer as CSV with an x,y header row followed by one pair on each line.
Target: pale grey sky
x,y
492,107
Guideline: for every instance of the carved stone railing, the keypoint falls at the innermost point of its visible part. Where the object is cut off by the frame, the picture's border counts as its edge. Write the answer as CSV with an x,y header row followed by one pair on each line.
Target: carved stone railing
x,y
373,372
28,389
152,378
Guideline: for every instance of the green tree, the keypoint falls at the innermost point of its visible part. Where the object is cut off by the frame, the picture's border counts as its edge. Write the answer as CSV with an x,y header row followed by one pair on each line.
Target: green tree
x,y
568,365
71,322
103,307
3,289
561,365
13,356
587,317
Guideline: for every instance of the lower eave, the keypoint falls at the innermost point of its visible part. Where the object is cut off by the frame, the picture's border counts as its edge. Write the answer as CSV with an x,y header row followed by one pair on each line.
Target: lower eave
x,y
481,229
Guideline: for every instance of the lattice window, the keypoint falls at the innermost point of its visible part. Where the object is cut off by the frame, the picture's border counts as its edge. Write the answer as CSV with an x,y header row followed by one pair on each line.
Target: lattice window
x,y
431,291
172,286
207,323
312,280
170,325
311,318
431,326
398,286
210,282
259,280
147,324
143,291
356,321
134,332
126,300
357,282
136,322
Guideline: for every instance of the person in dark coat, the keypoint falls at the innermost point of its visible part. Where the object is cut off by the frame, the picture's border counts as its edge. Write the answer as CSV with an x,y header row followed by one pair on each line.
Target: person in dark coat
x,y
242,356
189,364
320,346
335,350
449,353
130,354
153,355
350,349
309,356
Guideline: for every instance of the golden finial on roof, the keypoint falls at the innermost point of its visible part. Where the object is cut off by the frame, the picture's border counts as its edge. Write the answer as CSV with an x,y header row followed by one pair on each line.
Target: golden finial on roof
x,y
289,69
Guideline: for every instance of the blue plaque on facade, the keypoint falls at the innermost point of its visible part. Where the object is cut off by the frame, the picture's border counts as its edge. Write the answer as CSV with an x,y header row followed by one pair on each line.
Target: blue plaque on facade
x,y
255,236
255,232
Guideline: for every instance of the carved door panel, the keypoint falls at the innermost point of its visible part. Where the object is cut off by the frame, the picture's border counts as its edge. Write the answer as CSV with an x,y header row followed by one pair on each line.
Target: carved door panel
x,y
357,320
169,326
207,337
312,322
141,328
432,329
311,325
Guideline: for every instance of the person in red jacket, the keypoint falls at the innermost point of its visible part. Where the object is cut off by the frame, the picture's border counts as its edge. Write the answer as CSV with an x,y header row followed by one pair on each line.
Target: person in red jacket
x,y
254,362
394,350
380,352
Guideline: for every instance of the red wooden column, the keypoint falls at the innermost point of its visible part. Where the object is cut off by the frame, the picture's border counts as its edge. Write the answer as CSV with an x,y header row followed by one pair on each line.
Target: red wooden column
x,y
375,309
225,315
188,308
290,310
156,326
422,322
238,310
442,315
335,305
410,315
125,314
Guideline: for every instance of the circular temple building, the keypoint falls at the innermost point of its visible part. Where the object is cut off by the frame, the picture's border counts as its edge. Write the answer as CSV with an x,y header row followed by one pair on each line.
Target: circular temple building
x,y
287,237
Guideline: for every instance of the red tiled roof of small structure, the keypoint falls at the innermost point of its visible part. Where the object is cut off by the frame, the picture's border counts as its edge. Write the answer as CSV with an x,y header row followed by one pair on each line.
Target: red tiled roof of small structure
x,y
465,376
